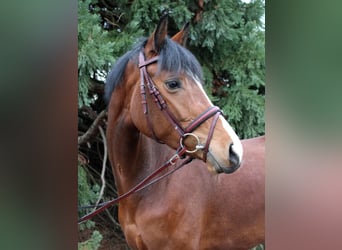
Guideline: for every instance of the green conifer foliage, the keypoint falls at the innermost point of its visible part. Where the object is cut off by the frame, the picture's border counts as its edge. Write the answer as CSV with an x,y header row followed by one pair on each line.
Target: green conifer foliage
x,y
229,42
95,50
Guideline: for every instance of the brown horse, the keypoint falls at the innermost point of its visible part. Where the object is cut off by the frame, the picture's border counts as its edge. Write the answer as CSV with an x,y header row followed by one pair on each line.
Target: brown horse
x,y
154,92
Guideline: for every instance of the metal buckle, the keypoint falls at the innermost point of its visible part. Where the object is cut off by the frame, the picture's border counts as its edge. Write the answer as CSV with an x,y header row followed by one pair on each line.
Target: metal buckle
x,y
197,147
174,159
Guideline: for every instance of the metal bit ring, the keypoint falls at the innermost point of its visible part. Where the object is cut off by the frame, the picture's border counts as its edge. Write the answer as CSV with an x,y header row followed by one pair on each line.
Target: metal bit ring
x,y
197,147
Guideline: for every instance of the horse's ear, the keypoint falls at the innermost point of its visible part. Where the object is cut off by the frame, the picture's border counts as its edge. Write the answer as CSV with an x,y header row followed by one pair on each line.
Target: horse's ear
x,y
182,36
160,33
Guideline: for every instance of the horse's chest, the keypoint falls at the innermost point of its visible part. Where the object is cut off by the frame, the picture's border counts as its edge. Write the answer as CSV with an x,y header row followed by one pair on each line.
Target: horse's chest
x,y
159,228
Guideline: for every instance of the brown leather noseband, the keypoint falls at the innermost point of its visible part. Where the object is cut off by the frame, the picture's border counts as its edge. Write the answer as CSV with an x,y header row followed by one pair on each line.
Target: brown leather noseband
x,y
146,81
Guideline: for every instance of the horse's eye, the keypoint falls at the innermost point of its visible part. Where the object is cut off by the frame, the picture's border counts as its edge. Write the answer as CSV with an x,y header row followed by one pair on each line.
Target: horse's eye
x,y
173,84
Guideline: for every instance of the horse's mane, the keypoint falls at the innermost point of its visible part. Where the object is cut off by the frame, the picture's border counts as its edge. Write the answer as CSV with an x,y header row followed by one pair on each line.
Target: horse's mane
x,y
172,58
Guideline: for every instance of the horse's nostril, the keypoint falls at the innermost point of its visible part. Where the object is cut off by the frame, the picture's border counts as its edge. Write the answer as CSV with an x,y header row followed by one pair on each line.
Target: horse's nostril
x,y
234,158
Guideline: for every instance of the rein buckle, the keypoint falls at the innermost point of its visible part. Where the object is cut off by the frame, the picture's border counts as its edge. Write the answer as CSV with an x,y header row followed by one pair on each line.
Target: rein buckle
x,y
174,159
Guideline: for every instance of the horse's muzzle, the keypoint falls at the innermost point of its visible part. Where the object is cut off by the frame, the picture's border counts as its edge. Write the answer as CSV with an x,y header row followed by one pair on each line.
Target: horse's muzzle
x,y
228,166
234,160
234,157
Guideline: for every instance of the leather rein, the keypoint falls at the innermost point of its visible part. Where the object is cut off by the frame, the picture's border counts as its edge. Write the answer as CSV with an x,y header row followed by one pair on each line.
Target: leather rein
x,y
213,111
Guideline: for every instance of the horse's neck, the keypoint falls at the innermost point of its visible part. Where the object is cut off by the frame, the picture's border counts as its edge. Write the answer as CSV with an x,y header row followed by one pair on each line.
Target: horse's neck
x,y
135,158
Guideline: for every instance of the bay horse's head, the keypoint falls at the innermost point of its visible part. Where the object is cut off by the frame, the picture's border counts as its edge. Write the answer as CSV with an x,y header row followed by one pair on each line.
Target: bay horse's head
x,y
162,96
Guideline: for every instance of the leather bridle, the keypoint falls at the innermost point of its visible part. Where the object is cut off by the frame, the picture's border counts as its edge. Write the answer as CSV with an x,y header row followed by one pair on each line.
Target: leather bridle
x,y
213,111
146,81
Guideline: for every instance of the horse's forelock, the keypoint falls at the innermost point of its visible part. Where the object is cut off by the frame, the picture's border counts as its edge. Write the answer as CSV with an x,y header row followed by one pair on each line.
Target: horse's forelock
x,y
172,58
175,58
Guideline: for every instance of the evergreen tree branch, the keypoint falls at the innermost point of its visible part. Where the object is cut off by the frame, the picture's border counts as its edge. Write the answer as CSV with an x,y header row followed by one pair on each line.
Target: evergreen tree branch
x,y
103,166
112,219
92,131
